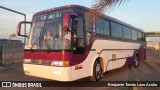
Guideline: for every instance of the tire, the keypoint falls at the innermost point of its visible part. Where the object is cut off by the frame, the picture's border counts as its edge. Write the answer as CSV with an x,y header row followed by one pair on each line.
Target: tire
x,y
136,61
97,71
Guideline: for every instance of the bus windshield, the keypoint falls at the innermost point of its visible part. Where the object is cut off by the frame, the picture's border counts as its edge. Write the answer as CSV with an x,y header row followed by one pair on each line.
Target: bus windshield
x,y
47,33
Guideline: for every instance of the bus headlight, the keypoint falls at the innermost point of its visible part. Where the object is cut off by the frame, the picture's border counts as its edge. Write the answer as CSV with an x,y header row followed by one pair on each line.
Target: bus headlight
x,y
27,61
60,63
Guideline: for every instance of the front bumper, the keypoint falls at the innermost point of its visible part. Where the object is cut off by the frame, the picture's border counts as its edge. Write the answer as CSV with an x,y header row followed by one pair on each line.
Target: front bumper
x,y
48,72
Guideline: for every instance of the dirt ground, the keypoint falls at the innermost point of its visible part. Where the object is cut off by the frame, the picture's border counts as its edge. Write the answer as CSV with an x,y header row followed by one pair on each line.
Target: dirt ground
x,y
148,70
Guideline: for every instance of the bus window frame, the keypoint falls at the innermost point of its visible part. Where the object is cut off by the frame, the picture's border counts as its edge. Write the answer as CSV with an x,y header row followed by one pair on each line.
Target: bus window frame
x,y
110,30
79,13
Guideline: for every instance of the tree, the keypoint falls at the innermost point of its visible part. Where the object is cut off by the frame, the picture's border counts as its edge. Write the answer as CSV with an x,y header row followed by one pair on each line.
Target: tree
x,y
101,6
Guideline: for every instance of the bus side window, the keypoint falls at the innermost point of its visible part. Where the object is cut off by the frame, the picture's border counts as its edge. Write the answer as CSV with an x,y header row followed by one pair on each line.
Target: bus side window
x,y
144,37
106,27
88,24
127,33
140,36
116,30
134,34
80,33
99,26
79,44
88,38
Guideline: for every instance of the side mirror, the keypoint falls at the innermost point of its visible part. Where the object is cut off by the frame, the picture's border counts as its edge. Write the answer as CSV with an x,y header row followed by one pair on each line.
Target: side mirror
x,y
66,22
19,28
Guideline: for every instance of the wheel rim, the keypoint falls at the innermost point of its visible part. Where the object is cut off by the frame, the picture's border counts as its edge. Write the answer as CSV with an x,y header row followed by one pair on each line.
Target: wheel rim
x,y
98,71
136,61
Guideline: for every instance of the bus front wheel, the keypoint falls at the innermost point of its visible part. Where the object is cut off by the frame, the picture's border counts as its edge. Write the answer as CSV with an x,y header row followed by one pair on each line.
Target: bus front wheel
x,y
97,71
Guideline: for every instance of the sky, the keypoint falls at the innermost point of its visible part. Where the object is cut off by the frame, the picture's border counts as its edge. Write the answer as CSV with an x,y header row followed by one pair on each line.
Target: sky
x,y
143,14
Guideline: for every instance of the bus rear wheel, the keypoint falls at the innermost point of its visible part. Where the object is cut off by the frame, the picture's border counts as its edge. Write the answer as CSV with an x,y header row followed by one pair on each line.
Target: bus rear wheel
x,y
97,71
136,62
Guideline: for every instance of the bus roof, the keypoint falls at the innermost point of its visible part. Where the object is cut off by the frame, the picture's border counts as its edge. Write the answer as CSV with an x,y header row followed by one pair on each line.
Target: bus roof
x,y
87,9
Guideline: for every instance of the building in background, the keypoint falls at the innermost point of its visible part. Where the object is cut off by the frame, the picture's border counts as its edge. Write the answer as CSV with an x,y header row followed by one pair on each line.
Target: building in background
x,y
153,40
10,41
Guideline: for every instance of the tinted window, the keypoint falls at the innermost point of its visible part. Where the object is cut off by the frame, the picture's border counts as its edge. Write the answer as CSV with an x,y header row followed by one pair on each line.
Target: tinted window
x,y
134,34
99,26
80,28
88,23
80,33
126,32
116,30
88,38
144,37
106,28
140,36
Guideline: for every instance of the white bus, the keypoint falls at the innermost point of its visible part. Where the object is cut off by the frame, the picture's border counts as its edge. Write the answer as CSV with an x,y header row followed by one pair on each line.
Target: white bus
x,y
64,44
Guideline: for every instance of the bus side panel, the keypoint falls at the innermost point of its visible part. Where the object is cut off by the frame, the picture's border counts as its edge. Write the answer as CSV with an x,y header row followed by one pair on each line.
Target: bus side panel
x,y
85,68
124,52
115,53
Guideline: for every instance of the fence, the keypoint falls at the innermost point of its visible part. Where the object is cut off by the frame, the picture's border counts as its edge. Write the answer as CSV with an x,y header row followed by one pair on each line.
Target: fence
x,y
11,53
153,54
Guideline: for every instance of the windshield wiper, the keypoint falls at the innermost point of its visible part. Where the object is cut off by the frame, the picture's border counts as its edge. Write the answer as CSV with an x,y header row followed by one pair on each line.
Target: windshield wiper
x,y
40,40
37,40
41,37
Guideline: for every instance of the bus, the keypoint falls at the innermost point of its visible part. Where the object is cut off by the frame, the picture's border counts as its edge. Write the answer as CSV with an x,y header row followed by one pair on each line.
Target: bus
x,y
64,44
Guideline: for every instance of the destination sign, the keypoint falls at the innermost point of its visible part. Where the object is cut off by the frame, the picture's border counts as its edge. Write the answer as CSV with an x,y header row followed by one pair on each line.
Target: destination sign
x,y
50,16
